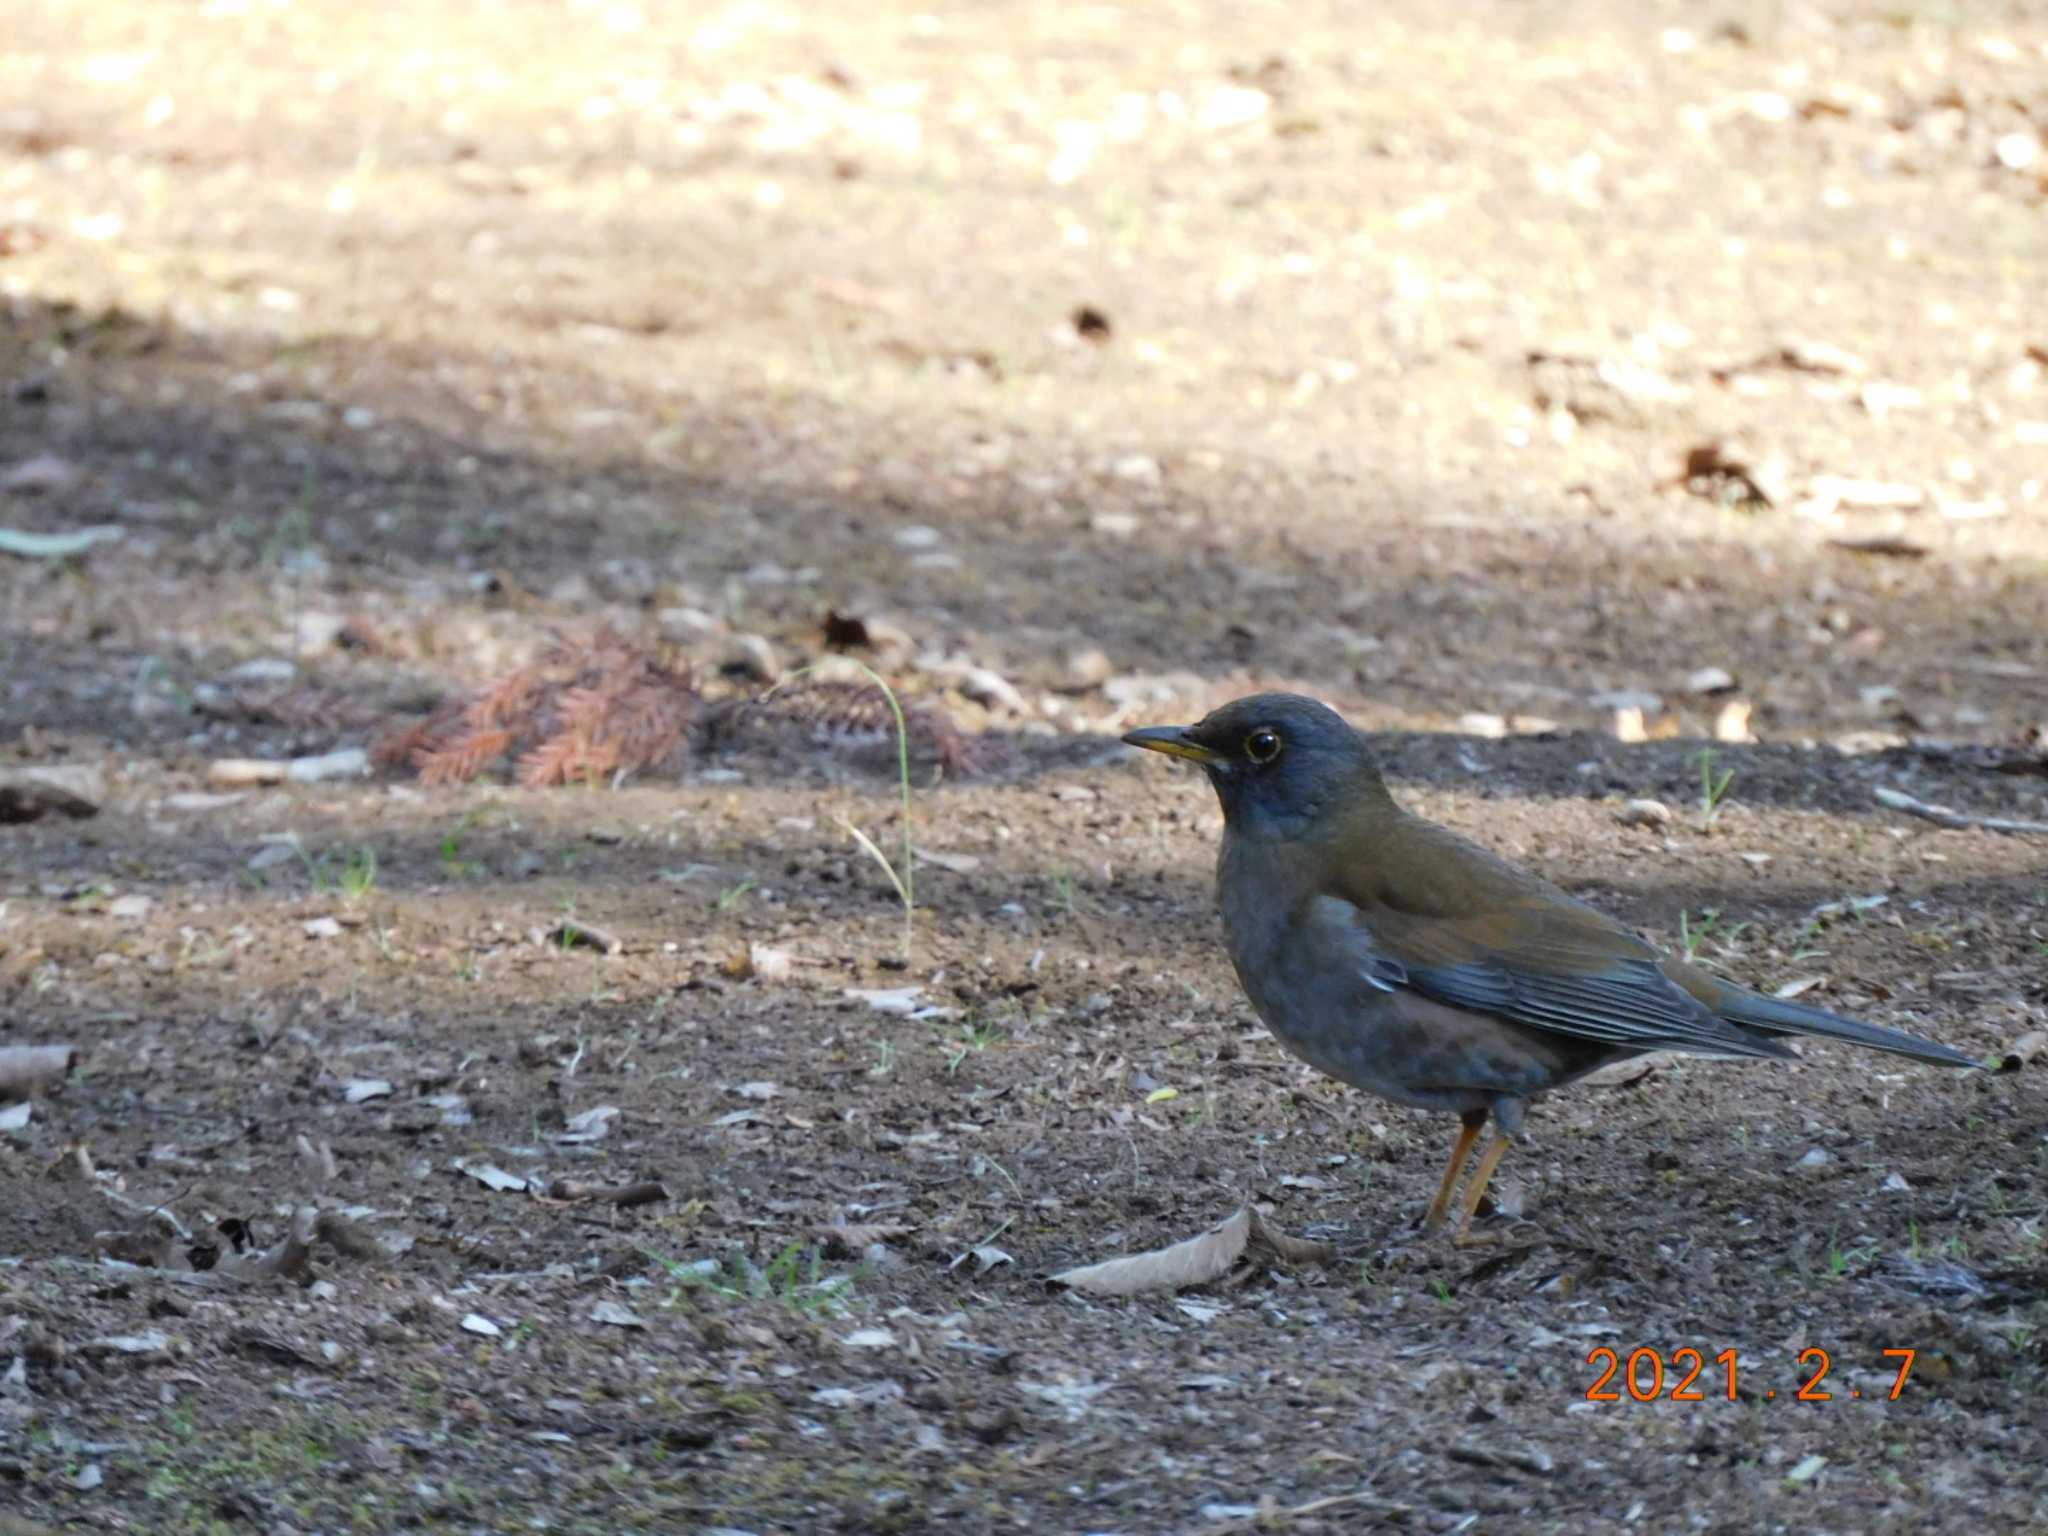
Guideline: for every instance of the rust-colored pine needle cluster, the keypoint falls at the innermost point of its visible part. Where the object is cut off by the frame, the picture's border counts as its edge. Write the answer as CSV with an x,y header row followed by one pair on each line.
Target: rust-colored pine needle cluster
x,y
592,709
585,711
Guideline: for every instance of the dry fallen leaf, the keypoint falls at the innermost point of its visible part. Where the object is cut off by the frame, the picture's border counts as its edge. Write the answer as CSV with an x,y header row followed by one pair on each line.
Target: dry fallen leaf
x,y
1194,1262
2031,1049
592,1124
490,1175
26,1067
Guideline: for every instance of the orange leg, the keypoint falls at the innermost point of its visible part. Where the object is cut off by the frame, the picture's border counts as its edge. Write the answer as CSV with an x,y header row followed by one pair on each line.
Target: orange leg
x,y
1468,1133
1480,1180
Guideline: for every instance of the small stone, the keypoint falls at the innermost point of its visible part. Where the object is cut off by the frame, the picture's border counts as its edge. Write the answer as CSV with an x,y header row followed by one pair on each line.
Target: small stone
x,y
316,633
993,691
322,928
2019,151
750,657
1628,698
1139,688
917,536
1137,468
29,793
348,763
1087,669
1895,1184
44,472
1710,680
1491,726
686,624
1646,813
264,669
1817,1157
1115,525
131,908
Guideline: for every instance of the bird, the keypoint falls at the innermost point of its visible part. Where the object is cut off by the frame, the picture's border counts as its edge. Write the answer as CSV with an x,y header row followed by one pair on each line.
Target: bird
x,y
1399,957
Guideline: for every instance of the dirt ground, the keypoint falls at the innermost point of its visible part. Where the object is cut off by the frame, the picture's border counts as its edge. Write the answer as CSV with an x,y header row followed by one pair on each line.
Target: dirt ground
x,y
1492,372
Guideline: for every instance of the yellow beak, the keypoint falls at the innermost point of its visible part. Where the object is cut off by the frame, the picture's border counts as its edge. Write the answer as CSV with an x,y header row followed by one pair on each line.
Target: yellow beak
x,y
1174,741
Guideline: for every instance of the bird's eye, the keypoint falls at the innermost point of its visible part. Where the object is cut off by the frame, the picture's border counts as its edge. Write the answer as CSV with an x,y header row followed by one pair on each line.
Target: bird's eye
x,y
1263,745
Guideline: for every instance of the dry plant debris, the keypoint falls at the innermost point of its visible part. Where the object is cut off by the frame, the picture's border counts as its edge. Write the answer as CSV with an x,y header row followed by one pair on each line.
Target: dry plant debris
x,y
1246,1238
607,706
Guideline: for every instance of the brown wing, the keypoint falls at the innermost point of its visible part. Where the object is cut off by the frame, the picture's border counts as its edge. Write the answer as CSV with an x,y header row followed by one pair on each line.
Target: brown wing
x,y
1470,931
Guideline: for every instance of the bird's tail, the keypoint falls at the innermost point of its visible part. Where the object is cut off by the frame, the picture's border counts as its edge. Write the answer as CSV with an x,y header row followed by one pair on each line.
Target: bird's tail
x,y
1779,1017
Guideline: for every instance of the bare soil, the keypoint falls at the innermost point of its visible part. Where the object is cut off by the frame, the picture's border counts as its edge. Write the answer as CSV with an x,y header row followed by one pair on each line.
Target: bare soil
x,y
1479,370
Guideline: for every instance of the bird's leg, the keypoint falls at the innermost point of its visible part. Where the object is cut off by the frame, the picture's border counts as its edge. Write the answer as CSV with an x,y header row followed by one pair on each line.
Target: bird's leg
x,y
1480,1179
1469,1125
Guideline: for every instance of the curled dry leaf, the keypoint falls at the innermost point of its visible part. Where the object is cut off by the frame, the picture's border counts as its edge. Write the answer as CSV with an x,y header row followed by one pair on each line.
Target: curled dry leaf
x,y
29,797
2030,1050
286,1260
24,1068
1245,1236
570,934
593,1124
490,1175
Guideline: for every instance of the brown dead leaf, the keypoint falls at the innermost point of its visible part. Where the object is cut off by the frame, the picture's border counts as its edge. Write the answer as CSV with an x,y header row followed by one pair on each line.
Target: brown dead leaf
x,y
1245,1237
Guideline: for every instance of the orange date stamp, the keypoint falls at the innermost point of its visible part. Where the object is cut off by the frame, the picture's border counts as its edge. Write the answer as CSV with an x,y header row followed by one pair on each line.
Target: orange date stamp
x,y
1644,1376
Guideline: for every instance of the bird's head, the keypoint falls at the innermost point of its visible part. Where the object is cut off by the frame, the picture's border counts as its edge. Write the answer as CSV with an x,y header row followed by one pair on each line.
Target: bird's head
x,y
1280,763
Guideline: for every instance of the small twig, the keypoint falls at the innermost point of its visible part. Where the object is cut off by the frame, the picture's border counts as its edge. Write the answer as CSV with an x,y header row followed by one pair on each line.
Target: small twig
x,y
968,1252
621,1195
160,1212
1272,1514
1956,821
